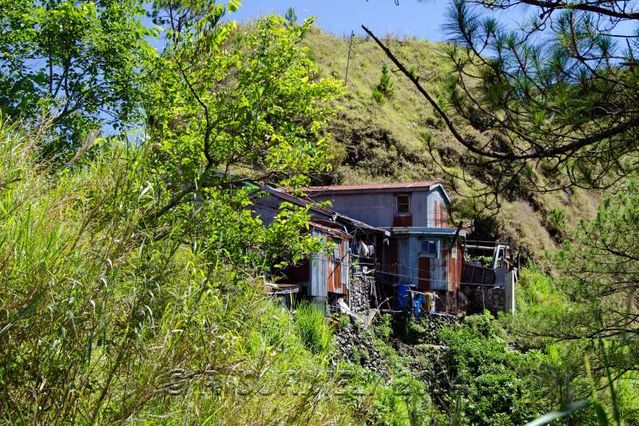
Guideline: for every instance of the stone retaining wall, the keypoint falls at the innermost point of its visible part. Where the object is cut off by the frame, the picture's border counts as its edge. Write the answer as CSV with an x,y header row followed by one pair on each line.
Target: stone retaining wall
x,y
362,292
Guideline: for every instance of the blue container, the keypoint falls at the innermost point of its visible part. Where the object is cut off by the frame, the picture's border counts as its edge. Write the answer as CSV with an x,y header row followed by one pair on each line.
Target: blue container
x,y
402,296
417,305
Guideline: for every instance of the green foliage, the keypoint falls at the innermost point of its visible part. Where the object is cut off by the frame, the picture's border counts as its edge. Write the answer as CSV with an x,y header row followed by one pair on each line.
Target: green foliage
x,y
132,287
313,329
584,363
557,222
538,294
106,318
384,326
563,82
249,103
411,331
377,95
290,16
73,64
402,402
488,383
385,88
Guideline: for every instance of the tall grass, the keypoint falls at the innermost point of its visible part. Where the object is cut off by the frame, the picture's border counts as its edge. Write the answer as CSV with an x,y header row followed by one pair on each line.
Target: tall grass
x,y
106,317
313,329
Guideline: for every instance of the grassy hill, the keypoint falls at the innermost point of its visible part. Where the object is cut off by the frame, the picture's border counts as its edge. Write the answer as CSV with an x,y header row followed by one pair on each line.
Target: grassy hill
x,y
388,141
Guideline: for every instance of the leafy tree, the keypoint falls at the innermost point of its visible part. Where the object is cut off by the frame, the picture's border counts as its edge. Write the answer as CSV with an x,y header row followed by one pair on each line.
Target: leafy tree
x,y
290,16
145,259
589,313
601,274
75,65
229,107
107,318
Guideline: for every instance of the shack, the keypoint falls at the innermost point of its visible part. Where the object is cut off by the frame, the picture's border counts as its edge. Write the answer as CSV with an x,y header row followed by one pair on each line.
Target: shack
x,y
339,274
424,254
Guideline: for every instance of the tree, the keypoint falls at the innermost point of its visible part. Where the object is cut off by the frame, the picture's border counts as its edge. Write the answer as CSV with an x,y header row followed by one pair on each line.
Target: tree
x,y
75,65
556,93
385,87
143,258
588,314
601,268
231,106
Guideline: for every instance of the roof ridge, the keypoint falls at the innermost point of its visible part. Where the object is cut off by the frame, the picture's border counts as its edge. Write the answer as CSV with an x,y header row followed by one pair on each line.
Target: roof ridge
x,y
375,186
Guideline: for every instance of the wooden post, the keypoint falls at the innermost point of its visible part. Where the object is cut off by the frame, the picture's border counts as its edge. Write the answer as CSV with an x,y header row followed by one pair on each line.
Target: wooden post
x,y
483,297
348,58
510,292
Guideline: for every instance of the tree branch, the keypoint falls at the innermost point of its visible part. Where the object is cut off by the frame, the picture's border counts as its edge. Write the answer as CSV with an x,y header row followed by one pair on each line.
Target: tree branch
x,y
540,153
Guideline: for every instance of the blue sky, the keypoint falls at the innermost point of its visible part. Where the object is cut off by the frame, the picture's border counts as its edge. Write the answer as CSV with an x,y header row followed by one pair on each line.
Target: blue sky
x,y
423,19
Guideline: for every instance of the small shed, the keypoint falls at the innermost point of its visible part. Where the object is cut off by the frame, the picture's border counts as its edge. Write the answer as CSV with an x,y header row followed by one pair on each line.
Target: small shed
x,y
330,271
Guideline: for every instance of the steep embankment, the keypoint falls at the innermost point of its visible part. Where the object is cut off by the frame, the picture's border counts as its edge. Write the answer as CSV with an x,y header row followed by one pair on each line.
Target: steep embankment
x,y
388,141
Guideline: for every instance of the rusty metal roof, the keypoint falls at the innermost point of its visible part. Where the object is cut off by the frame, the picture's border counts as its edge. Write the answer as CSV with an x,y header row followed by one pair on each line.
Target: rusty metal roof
x,y
409,186
330,229
333,215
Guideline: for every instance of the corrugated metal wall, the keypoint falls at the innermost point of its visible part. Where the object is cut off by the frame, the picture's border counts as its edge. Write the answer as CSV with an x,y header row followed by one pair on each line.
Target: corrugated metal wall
x,y
405,268
318,286
378,209
419,208
374,209
410,249
338,268
330,272
455,268
436,211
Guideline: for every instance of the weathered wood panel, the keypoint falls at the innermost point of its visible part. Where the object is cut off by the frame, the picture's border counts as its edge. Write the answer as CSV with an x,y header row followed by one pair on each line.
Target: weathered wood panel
x,y
424,265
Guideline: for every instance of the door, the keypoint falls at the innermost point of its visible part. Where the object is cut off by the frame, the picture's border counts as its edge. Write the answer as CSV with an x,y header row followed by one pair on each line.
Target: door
x,y
423,268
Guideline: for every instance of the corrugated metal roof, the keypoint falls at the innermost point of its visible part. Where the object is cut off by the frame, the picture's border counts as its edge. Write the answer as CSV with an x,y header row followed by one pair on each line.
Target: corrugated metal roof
x,y
419,230
333,215
409,186
331,230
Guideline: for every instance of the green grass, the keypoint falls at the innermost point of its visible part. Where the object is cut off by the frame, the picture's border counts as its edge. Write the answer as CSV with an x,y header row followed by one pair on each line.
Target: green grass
x,y
312,328
105,318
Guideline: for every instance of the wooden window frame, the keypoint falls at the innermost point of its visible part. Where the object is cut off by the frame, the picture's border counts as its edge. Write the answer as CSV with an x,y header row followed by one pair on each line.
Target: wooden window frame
x,y
406,203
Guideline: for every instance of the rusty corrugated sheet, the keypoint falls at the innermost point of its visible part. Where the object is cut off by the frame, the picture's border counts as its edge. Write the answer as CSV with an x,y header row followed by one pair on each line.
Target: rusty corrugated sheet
x,y
403,220
373,187
424,265
455,268
337,268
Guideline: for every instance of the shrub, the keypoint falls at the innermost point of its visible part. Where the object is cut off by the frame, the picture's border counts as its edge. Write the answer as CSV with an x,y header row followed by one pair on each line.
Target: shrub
x,y
487,383
403,401
378,96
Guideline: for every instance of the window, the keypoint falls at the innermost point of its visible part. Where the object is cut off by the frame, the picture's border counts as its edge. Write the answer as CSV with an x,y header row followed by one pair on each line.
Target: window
x,y
429,247
337,254
403,203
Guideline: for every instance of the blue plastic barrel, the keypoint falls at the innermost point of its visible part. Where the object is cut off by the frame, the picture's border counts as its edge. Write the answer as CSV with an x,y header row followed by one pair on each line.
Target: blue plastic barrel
x,y
402,296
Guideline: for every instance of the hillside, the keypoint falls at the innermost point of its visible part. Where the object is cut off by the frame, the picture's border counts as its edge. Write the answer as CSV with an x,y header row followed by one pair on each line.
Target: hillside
x,y
388,141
